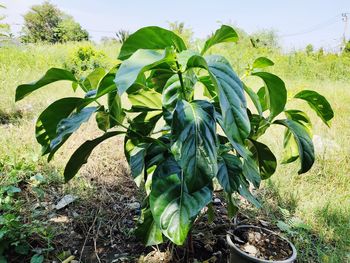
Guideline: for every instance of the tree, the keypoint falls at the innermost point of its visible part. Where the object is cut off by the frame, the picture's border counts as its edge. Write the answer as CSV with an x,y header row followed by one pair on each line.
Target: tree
x,y
346,49
122,35
179,28
4,28
47,23
309,49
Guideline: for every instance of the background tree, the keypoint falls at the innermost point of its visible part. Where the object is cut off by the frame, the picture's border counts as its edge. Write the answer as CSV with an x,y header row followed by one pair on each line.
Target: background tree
x,y
122,35
185,33
346,49
309,49
47,23
4,28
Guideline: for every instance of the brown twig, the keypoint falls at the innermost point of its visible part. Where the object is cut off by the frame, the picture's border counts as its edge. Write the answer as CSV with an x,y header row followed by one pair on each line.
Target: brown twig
x,y
88,233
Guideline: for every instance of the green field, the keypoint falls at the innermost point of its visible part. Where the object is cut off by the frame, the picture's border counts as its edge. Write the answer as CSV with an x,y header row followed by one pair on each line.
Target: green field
x,y
313,209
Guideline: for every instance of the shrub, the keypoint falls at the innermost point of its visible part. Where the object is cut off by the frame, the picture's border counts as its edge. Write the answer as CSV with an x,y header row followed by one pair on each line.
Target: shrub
x,y
84,59
177,141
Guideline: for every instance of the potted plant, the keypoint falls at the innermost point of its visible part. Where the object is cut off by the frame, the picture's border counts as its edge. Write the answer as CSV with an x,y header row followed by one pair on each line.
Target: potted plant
x,y
177,142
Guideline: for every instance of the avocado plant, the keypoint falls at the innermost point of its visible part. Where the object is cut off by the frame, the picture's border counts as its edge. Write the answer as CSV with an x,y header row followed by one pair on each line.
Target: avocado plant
x,y
186,125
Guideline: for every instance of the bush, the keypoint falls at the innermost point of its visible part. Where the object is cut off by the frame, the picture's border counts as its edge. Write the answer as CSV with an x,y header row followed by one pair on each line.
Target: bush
x,y
84,59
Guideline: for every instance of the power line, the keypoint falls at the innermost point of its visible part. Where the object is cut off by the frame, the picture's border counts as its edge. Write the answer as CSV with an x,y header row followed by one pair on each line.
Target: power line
x,y
322,25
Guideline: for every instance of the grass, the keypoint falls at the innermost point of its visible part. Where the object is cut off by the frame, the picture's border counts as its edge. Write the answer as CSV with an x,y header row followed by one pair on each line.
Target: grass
x,y
318,200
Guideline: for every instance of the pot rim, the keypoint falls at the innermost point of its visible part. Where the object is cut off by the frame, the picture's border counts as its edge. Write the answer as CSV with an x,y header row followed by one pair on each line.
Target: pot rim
x,y
292,258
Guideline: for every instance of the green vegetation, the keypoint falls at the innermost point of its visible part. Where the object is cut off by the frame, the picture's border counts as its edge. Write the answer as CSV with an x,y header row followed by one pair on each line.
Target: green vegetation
x,y
46,23
314,206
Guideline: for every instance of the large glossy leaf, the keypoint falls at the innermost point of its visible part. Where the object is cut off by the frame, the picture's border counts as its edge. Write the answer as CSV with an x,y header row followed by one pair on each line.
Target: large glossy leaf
x,y
290,148
254,97
223,34
265,158
276,92
46,125
148,99
174,209
305,145
301,118
147,229
194,142
145,122
115,110
141,61
318,103
69,125
231,97
262,62
52,75
81,155
172,93
229,171
151,37
93,79
137,162
243,190
251,170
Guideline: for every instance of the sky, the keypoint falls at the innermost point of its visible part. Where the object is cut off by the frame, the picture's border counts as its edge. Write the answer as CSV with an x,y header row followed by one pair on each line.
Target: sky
x,y
297,22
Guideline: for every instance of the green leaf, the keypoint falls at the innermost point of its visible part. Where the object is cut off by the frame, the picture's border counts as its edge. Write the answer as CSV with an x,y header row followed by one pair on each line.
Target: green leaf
x,y
149,99
232,208
52,75
46,125
102,119
301,118
318,103
115,110
254,97
251,171
137,162
194,142
151,37
263,99
174,209
81,155
147,229
93,79
290,148
304,141
243,190
265,158
276,92
262,62
145,122
229,170
172,93
223,34
69,125
231,97
37,258
132,68
210,90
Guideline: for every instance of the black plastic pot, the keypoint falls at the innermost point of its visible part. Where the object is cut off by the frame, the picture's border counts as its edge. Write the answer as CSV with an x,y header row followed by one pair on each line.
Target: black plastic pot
x,y
239,256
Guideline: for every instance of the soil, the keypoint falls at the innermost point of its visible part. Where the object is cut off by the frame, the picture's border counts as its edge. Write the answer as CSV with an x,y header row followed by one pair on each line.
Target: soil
x,y
261,244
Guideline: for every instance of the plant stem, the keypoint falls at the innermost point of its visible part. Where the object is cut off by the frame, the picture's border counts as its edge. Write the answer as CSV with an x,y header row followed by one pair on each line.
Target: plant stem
x,y
179,73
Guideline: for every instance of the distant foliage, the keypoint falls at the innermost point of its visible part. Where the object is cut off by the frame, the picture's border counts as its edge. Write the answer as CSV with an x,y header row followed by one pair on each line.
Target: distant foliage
x,y
180,29
346,49
4,27
84,59
309,49
47,23
122,35
265,38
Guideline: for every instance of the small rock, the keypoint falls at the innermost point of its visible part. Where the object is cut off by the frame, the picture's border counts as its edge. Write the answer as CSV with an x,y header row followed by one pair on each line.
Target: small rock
x,y
216,201
251,237
257,236
59,219
134,206
66,200
250,249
